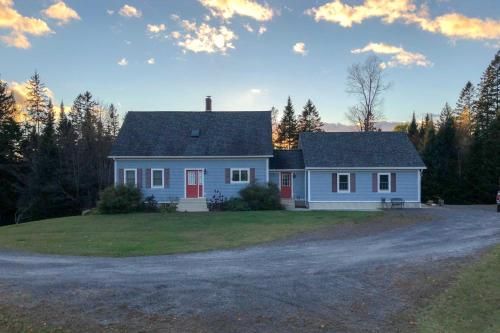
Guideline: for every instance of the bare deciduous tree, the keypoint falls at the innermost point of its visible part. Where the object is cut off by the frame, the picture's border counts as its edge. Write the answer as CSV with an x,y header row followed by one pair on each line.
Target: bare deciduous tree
x,y
366,82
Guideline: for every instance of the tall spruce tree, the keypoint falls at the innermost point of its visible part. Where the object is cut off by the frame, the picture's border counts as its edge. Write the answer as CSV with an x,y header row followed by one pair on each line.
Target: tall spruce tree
x,y
413,133
36,102
288,135
309,120
10,138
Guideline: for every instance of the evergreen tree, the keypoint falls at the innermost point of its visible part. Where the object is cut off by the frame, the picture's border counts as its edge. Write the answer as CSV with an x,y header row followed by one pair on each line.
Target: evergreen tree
x,y
288,135
10,137
114,121
274,126
309,119
36,102
413,133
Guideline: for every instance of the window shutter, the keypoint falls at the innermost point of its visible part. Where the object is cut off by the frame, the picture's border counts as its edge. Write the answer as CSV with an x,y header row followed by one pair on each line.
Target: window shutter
x,y
228,176
374,182
334,182
139,178
120,176
148,178
166,178
353,182
252,175
393,182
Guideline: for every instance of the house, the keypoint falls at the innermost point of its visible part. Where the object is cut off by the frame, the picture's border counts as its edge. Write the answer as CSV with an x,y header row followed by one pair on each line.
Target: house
x,y
185,157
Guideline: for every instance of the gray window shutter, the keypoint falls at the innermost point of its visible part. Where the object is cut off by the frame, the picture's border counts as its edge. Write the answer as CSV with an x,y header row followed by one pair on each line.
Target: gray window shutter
x,y
228,175
374,182
353,182
120,176
252,175
393,182
139,178
334,182
148,178
166,176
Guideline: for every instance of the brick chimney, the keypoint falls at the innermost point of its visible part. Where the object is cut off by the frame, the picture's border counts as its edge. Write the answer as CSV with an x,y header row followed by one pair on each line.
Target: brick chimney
x,y
208,104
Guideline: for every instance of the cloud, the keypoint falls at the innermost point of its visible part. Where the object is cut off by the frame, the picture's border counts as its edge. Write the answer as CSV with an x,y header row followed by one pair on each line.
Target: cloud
x,y
262,29
123,62
228,8
19,26
400,57
205,38
256,91
130,11
151,61
20,92
248,27
300,48
110,12
61,12
156,28
452,25
176,34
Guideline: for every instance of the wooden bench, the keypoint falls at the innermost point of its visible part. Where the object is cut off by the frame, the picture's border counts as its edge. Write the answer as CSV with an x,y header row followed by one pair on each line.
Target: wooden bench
x,y
397,202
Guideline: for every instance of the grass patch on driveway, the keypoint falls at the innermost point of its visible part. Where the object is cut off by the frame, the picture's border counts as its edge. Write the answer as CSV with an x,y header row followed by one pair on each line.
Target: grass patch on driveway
x,y
472,304
155,233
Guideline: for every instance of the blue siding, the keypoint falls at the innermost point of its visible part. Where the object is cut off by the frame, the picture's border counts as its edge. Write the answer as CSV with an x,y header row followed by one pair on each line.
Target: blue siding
x,y
406,186
298,183
214,177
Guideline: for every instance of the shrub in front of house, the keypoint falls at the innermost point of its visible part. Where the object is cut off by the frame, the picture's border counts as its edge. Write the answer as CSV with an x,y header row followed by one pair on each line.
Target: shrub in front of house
x,y
235,205
120,199
261,197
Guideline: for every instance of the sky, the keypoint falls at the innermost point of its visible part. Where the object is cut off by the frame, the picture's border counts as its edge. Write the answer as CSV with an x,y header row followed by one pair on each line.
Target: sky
x,y
247,54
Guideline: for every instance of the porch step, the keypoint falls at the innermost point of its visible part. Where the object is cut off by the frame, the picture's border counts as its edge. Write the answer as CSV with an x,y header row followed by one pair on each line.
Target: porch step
x,y
288,203
192,205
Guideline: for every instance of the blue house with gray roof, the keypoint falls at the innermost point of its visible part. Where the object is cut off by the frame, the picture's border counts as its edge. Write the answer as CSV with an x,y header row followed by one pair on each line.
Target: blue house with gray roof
x,y
185,157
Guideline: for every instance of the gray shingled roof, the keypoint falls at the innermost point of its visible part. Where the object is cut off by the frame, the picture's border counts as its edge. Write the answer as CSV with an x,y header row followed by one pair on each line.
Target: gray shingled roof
x,y
359,149
287,159
168,133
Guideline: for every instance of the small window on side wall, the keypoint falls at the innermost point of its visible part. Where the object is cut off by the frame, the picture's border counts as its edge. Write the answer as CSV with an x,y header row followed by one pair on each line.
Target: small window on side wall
x,y
157,178
384,184
240,176
130,177
343,182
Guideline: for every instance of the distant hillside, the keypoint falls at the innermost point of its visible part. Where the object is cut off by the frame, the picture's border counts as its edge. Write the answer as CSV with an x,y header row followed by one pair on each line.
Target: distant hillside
x,y
386,126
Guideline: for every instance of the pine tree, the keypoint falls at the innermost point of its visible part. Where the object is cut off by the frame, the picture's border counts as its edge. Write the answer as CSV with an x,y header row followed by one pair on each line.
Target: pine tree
x,y
36,102
10,138
309,120
288,130
413,132
487,104
113,121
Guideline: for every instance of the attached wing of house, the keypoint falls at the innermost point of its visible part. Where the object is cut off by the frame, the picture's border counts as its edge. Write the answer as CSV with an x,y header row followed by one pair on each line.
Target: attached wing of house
x,y
186,157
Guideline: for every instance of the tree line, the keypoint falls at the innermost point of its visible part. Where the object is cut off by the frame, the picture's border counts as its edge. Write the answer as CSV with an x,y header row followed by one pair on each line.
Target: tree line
x,y
461,148
286,130
52,162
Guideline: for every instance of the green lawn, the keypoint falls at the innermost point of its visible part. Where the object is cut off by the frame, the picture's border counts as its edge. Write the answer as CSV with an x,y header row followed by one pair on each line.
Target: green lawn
x,y
472,304
151,234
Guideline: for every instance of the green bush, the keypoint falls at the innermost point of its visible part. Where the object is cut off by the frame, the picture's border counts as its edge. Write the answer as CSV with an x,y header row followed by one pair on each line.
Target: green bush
x,y
120,199
235,204
261,197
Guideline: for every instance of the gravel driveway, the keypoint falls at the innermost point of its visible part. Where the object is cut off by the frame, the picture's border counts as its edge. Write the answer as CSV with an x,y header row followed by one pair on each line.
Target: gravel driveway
x,y
358,282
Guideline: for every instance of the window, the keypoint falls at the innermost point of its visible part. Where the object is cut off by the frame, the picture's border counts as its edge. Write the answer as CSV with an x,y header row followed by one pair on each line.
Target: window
x,y
130,177
157,178
384,182
343,182
240,176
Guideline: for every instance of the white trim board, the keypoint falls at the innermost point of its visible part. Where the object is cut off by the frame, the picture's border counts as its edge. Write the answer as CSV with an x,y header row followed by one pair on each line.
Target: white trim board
x,y
379,201
186,157
365,168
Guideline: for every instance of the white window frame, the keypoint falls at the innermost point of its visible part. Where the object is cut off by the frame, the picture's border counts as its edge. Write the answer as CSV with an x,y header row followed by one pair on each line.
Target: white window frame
x,y
348,182
240,181
388,181
162,178
125,176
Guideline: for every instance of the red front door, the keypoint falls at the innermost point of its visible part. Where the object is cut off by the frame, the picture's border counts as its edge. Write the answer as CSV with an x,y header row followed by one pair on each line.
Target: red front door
x,y
194,183
286,185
